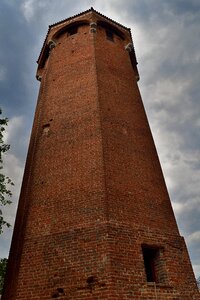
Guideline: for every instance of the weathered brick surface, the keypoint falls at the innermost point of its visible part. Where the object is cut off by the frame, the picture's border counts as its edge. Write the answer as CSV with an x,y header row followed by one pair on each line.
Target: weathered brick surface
x,y
93,191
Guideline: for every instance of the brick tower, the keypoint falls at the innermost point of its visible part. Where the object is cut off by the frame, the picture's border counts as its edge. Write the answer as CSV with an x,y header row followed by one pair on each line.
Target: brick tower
x,y
94,218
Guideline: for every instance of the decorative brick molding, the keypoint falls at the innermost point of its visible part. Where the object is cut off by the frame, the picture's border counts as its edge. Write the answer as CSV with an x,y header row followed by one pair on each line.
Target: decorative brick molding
x,y
93,27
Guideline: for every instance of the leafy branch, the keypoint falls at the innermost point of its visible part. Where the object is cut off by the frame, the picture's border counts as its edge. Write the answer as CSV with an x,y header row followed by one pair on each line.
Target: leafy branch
x,y
5,181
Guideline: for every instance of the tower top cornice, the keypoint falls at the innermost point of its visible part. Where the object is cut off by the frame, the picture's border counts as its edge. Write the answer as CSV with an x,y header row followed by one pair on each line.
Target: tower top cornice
x,y
90,15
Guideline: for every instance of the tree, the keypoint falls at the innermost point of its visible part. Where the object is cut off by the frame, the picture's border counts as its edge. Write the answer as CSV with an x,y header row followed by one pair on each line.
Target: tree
x,y
5,181
3,265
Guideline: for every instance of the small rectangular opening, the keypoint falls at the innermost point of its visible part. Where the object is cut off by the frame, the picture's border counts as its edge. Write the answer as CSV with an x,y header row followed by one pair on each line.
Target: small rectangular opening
x,y
154,264
109,35
150,256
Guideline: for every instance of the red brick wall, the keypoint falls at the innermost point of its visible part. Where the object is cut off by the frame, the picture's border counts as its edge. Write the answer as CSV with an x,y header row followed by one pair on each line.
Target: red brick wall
x,y
93,191
135,187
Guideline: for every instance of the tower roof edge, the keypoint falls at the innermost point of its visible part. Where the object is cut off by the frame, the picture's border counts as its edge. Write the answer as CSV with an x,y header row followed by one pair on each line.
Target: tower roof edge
x,y
87,11
50,27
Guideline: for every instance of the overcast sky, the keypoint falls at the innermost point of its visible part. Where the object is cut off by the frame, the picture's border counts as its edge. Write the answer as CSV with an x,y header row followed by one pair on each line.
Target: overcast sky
x,y
166,35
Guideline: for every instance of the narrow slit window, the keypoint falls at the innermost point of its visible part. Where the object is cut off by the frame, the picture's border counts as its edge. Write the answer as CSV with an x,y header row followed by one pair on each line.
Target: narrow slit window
x,y
110,35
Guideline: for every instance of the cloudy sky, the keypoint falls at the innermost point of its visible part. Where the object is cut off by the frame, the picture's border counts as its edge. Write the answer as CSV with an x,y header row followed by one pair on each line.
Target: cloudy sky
x,y
166,35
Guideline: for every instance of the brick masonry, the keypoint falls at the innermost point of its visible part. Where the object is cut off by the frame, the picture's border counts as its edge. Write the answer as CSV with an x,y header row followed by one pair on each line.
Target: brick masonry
x,y
93,192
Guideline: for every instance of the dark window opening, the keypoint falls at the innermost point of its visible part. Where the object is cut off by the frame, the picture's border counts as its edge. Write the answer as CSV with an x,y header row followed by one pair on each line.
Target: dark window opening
x,y
154,264
45,57
149,256
47,54
110,35
72,30
108,27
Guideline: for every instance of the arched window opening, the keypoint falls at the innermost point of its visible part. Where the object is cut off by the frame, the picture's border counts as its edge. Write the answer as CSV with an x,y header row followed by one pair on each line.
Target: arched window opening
x,y
69,29
110,35
44,57
111,31
72,30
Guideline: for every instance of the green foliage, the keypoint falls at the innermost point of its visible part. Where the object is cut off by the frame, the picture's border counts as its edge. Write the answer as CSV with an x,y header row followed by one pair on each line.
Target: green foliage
x,y
3,265
5,181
